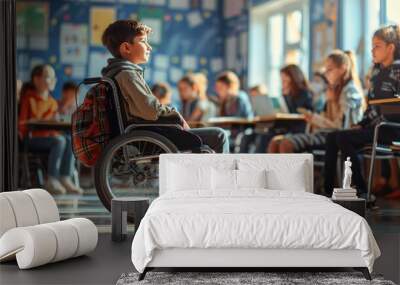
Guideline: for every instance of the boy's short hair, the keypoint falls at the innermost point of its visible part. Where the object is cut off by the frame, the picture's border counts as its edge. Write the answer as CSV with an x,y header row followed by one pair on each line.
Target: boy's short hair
x,y
122,31
69,85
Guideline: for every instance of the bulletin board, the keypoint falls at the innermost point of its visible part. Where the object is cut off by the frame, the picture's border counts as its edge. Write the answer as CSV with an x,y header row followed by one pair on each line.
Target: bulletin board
x,y
187,36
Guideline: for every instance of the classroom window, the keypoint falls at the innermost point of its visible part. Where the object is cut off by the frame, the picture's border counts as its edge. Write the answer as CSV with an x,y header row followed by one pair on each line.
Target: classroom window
x,y
293,23
393,11
285,37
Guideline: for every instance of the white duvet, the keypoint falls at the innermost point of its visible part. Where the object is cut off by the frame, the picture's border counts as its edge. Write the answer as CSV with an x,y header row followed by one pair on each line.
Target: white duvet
x,y
250,219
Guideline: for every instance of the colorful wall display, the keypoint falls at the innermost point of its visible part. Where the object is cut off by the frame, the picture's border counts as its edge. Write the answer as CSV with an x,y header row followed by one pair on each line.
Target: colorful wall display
x,y
187,36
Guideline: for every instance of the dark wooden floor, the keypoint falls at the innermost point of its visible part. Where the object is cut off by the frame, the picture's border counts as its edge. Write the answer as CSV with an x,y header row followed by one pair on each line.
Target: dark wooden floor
x,y
103,266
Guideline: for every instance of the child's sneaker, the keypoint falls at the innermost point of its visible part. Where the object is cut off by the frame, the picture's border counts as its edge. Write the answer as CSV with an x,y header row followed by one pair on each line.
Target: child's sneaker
x,y
54,186
70,186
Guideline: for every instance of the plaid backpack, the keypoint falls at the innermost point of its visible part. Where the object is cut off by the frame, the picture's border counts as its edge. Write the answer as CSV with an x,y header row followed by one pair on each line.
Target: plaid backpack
x,y
91,126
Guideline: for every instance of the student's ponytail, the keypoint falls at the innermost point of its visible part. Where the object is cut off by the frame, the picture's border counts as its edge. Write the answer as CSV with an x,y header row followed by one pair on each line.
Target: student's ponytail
x,y
353,69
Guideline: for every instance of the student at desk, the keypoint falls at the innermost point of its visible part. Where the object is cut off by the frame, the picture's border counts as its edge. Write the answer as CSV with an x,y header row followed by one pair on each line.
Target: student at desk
x,y
67,104
38,104
385,83
193,93
233,101
343,107
297,94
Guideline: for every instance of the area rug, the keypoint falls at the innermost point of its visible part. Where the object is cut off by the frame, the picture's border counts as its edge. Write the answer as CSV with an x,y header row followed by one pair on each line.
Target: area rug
x,y
243,278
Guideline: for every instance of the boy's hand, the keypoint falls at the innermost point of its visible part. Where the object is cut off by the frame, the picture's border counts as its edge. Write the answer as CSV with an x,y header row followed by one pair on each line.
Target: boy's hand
x,y
185,125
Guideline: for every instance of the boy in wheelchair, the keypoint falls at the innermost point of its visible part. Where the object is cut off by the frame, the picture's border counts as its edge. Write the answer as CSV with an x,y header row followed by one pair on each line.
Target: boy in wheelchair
x,y
127,42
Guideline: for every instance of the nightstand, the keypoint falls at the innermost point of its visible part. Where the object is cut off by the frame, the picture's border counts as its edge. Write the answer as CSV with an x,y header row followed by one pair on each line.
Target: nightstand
x,y
356,205
120,208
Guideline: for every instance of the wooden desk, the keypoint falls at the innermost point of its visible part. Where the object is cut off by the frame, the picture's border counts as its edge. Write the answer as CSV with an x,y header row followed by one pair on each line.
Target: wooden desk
x,y
389,107
35,125
384,101
258,119
279,117
229,121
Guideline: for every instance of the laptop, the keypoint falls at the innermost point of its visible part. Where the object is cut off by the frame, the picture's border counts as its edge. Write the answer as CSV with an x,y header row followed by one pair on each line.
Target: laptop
x,y
262,105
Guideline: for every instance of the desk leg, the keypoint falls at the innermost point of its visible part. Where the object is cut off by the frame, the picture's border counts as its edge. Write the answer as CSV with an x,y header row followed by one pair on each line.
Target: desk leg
x,y
119,223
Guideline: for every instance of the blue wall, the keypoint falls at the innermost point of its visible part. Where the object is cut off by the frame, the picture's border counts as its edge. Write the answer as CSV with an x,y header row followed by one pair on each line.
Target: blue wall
x,y
204,41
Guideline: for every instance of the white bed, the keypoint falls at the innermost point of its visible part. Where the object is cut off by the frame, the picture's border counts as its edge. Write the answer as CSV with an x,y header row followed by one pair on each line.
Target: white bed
x,y
198,222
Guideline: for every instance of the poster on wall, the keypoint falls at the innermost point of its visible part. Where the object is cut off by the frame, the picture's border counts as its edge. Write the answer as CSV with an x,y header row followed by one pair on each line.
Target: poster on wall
x,y
154,19
74,43
32,20
233,8
100,18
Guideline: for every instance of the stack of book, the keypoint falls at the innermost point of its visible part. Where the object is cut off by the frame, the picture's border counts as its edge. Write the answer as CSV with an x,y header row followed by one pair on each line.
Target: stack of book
x,y
344,194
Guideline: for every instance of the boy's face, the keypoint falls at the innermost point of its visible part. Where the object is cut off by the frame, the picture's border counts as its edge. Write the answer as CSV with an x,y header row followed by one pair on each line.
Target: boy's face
x,y
138,51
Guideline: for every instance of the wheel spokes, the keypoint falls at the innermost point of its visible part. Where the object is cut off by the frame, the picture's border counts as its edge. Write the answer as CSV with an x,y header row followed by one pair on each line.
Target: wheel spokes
x,y
134,169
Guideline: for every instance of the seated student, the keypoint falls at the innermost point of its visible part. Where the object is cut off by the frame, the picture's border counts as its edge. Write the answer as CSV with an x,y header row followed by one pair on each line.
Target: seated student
x,y
384,84
343,108
67,104
163,93
233,101
188,93
205,108
193,93
297,94
37,103
127,42
296,90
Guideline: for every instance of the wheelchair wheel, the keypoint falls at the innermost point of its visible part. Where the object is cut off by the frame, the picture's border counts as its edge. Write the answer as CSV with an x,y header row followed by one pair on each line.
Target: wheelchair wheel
x,y
128,166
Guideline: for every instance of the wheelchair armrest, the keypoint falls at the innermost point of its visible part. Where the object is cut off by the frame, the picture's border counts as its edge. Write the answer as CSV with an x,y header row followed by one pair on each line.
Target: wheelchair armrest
x,y
175,122
160,121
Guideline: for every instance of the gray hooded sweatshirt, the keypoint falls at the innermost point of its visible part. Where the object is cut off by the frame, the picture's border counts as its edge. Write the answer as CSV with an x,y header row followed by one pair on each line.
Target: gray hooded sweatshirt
x,y
138,98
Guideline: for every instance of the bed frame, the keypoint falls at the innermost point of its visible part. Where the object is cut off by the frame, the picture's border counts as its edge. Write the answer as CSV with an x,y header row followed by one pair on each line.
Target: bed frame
x,y
242,259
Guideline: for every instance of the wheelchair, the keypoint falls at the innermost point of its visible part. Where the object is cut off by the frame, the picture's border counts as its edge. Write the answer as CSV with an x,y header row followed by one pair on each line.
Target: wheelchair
x,y
128,164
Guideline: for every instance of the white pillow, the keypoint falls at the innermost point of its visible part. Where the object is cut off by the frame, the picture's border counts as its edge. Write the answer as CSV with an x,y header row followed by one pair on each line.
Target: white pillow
x,y
230,180
251,178
281,174
223,179
295,180
184,177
